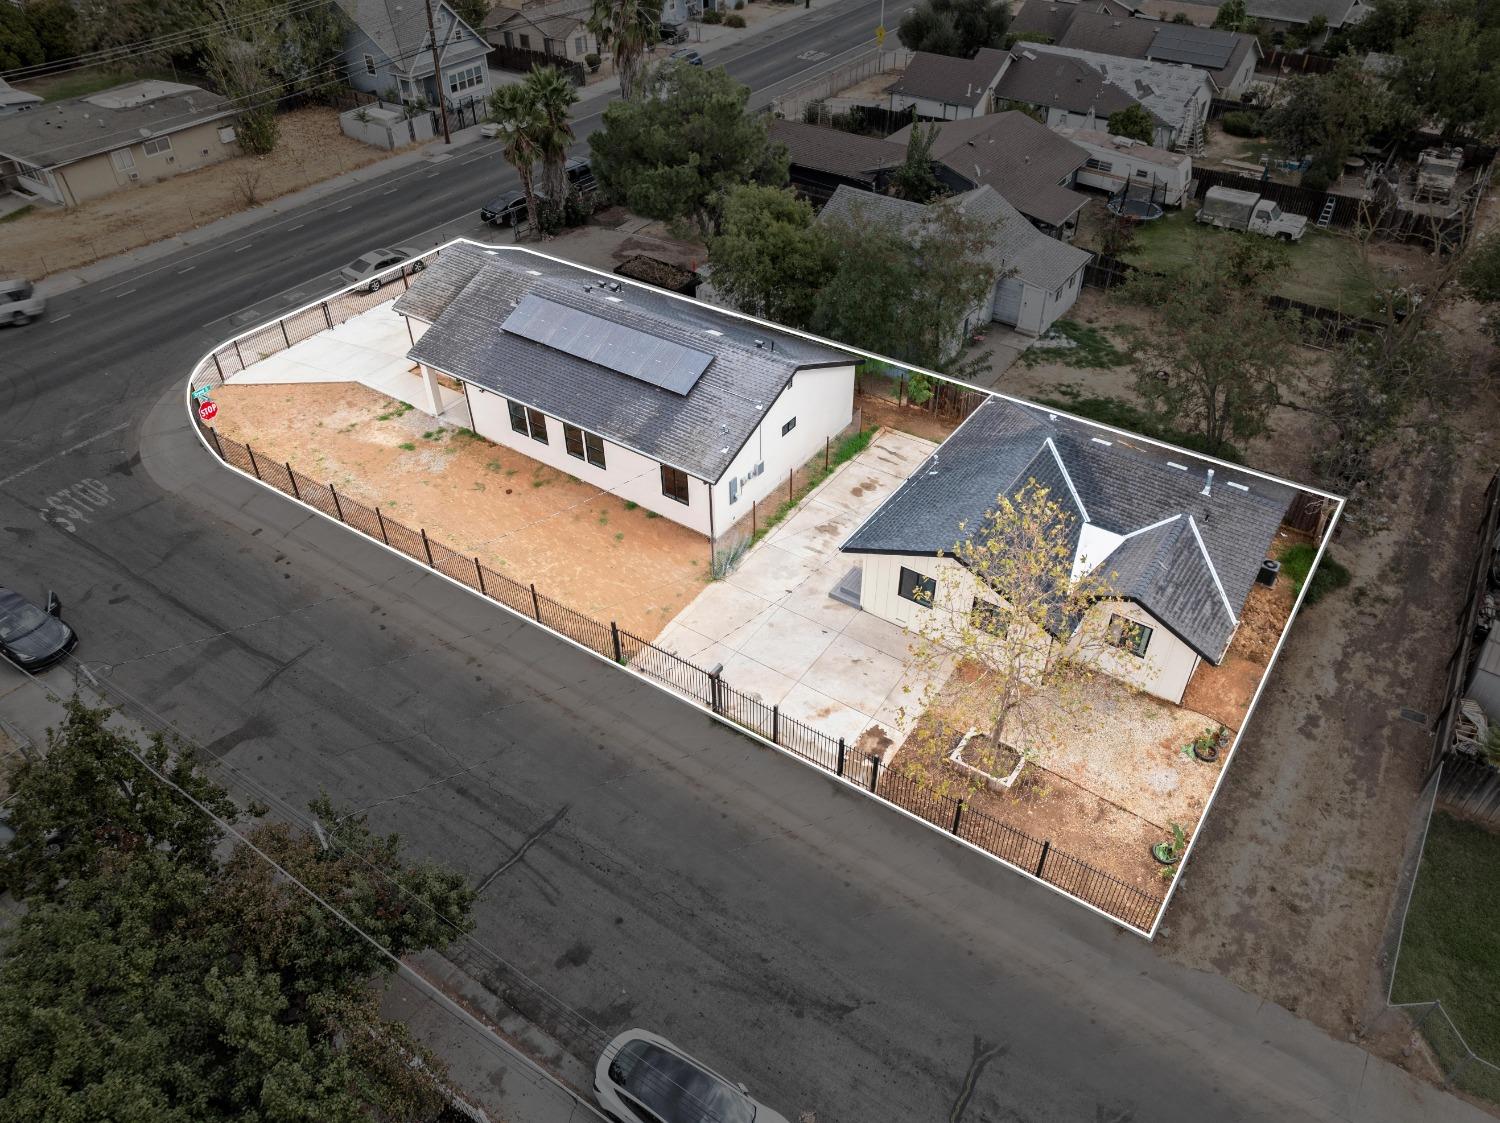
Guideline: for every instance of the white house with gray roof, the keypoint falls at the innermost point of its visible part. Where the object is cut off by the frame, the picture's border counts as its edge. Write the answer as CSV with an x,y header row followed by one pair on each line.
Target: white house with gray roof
x,y
688,410
1036,278
1179,540
388,48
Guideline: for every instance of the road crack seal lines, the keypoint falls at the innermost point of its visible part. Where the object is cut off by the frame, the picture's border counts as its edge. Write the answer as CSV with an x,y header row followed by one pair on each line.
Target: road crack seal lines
x,y
530,841
983,1055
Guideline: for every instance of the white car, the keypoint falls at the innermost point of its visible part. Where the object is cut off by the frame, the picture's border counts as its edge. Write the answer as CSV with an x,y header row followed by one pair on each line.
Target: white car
x,y
368,267
643,1078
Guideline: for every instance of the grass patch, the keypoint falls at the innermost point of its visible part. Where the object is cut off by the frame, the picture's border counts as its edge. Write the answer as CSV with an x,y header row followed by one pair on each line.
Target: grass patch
x,y
1451,948
19,212
402,408
1124,415
492,466
433,435
619,536
1091,350
1297,560
652,515
631,504
462,434
81,83
408,446
603,518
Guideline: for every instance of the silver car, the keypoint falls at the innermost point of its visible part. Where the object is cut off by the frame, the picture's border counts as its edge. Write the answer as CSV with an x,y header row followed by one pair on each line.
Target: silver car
x,y
643,1078
19,303
367,267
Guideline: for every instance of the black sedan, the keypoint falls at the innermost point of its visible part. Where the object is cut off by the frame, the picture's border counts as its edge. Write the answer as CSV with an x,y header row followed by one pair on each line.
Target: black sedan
x,y
509,209
30,637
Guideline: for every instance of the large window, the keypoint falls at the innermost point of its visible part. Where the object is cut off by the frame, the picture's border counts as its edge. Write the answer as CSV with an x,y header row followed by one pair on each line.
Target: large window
x,y
528,422
157,146
466,78
674,483
1098,165
584,445
916,588
369,64
1128,635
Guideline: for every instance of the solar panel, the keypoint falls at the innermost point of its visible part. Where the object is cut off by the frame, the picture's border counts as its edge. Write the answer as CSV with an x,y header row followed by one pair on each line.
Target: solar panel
x,y
1196,46
659,362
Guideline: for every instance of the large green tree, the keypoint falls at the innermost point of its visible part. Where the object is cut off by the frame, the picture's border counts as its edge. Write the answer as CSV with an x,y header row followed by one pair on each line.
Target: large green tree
x,y
915,180
771,258
162,972
554,96
676,151
1450,72
1329,116
955,27
18,42
1134,123
1216,359
55,24
627,29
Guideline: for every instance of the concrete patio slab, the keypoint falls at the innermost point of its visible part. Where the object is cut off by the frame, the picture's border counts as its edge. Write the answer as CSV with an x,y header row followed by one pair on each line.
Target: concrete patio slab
x,y
771,572
789,643
754,678
885,637
721,609
827,715
812,600
855,674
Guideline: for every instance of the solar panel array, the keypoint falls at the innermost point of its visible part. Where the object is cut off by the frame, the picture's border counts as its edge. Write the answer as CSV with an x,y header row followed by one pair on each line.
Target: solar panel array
x,y
625,350
1196,46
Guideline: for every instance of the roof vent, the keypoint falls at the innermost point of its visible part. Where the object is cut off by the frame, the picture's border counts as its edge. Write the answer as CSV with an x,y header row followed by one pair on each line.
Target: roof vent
x,y
1208,484
588,288
533,272
1174,464
614,286
759,343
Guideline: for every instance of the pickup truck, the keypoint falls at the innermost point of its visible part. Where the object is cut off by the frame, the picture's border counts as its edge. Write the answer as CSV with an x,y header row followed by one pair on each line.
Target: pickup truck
x,y
19,303
1245,210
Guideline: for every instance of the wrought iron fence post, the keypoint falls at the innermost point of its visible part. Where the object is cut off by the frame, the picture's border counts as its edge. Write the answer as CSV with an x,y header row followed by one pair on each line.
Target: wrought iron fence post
x,y
874,772
237,354
218,368
327,316
479,573
776,724
1041,863
841,756
426,546
296,491
384,537
253,464
536,604
614,635
337,506
958,810
827,444
218,448
790,493
284,337
714,685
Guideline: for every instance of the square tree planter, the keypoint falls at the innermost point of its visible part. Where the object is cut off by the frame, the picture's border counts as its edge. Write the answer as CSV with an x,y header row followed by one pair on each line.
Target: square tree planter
x,y
1005,756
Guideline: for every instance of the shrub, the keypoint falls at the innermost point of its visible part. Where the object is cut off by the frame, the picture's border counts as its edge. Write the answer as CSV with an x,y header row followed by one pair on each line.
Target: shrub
x,y
591,61
1316,178
1240,123
738,4
1297,560
713,15
734,19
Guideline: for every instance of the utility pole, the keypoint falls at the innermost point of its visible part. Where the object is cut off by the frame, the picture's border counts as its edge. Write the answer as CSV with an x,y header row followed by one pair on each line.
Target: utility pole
x,y
437,74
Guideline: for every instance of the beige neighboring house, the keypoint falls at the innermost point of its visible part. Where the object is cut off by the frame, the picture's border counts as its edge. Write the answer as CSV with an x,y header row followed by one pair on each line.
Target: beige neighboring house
x,y
71,151
556,29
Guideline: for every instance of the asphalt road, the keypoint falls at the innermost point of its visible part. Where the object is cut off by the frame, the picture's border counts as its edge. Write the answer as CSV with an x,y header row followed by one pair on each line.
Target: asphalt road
x,y
648,866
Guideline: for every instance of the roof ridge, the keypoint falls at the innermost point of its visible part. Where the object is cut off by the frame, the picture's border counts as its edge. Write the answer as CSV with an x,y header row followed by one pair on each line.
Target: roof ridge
x,y
1213,571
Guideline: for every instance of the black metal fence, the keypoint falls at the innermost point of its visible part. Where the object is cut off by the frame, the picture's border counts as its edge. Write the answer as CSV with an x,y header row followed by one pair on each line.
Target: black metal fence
x,y
706,687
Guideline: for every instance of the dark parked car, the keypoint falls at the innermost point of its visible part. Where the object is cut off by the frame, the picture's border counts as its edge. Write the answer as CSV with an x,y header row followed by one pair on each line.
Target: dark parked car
x,y
508,209
673,33
688,55
580,173
30,637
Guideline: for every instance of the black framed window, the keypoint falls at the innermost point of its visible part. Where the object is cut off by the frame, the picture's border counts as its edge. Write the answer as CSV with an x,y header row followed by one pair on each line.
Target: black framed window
x,y
674,483
789,426
538,422
916,588
573,440
518,418
593,449
1129,635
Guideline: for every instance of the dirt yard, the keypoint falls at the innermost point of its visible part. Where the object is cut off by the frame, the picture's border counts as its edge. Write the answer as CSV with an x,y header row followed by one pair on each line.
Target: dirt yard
x,y
311,150
1224,692
584,548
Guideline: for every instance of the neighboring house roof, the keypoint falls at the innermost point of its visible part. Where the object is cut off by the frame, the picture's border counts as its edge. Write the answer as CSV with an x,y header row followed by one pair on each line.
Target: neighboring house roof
x,y
1336,12
1164,89
836,152
63,132
9,95
1019,157
489,308
1189,559
400,31
952,81
1015,244
1059,82
1132,148
1083,28
552,21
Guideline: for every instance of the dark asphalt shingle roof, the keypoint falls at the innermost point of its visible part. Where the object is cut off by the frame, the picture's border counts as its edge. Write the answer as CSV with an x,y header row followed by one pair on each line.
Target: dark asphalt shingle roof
x,y
469,290
1061,82
836,152
1127,487
952,81
1084,29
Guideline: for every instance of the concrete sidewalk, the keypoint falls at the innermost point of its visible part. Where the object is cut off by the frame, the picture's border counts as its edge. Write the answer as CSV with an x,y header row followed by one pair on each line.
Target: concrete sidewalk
x,y
495,1059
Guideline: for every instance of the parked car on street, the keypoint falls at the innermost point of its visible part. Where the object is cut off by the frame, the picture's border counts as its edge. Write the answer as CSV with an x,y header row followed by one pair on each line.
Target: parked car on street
x,y
508,209
580,173
641,1076
688,55
33,637
368,267
19,303
673,33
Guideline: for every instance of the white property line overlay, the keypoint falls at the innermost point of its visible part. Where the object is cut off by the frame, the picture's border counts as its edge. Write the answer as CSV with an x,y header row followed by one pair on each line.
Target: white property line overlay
x,y
1150,934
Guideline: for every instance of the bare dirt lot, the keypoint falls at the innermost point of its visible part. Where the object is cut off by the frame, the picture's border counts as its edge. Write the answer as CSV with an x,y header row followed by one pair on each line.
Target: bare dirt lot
x,y
311,150
583,547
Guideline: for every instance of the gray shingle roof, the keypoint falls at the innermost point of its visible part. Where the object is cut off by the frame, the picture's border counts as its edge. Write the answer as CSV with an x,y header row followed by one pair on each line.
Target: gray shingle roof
x,y
399,28
1336,12
1127,487
1019,157
1083,28
1164,89
836,152
473,288
1061,82
953,81
61,132
9,95
1037,259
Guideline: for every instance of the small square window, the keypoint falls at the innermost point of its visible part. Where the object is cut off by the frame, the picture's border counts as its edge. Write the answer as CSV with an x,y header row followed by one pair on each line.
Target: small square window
x,y
579,46
674,484
157,146
369,64
1128,635
526,42
917,588
789,426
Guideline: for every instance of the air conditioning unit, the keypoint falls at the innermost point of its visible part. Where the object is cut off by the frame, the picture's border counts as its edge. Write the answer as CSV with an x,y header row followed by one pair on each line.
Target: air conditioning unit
x,y
134,175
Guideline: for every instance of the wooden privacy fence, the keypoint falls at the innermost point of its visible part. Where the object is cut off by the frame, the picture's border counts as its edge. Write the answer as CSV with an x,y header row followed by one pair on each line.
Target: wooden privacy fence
x,y
1470,787
1292,199
708,688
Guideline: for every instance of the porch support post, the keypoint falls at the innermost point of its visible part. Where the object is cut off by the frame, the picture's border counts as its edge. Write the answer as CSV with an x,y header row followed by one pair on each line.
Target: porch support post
x,y
434,395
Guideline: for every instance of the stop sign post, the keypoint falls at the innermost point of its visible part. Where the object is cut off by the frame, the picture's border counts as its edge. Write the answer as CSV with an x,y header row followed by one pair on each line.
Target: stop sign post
x,y
207,411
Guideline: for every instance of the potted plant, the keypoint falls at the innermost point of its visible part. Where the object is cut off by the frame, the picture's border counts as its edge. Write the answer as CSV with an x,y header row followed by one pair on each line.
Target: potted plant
x,y
1206,745
1169,850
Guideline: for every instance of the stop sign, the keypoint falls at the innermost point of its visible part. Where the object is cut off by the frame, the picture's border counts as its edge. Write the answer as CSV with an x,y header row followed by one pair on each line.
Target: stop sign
x,y
208,411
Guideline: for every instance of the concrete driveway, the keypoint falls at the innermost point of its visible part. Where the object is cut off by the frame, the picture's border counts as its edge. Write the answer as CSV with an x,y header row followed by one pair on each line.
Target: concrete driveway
x,y
779,633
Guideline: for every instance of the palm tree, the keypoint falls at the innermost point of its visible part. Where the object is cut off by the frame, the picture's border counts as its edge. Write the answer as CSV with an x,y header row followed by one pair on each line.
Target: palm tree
x,y
553,95
628,28
521,128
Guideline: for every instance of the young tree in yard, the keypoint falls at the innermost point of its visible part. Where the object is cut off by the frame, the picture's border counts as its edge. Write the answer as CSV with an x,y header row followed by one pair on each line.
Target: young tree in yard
x,y
771,259
1134,123
905,293
676,151
472,12
1016,624
914,179
627,28
1232,16
1216,358
955,27
241,69
1329,116
553,95
160,972
521,129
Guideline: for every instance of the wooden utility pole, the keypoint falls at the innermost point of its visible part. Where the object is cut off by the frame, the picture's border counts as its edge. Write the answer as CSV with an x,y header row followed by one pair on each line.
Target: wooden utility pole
x,y
437,75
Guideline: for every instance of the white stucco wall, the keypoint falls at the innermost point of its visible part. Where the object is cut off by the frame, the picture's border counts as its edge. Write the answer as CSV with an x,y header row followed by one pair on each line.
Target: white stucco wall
x,y
626,473
940,110
1165,668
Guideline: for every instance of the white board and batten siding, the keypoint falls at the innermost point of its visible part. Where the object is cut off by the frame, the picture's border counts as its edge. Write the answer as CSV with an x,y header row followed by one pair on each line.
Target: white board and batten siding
x,y
1165,668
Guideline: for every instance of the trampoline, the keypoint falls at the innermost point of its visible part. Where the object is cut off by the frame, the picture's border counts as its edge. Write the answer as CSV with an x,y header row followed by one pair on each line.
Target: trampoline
x,y
1138,210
